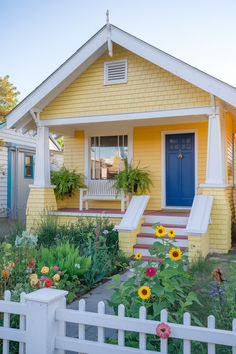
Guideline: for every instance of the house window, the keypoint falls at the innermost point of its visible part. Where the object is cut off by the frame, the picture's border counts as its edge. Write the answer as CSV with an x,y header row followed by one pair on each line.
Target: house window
x,y
28,166
115,72
107,155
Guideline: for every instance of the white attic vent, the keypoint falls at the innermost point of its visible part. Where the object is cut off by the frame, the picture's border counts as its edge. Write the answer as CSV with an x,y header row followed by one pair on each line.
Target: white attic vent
x,y
115,72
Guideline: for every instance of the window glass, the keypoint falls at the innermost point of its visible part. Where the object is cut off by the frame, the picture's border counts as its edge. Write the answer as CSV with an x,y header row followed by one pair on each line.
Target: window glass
x,y
107,155
28,166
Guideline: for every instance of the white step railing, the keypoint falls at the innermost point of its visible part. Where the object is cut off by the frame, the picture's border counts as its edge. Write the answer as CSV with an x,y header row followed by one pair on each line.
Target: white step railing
x,y
42,327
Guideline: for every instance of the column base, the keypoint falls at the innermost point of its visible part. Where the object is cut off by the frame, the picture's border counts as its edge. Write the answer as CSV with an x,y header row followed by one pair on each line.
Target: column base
x,y
221,216
41,200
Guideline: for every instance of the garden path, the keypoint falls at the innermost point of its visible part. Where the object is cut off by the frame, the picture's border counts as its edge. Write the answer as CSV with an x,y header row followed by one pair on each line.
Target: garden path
x,y
92,298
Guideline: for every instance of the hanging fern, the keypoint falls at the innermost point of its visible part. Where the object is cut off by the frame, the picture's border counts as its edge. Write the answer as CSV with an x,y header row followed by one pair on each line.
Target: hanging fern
x,y
133,180
66,182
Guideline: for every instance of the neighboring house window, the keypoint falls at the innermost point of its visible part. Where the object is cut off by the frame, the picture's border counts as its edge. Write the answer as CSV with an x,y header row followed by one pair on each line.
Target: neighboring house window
x,y
28,166
115,72
107,155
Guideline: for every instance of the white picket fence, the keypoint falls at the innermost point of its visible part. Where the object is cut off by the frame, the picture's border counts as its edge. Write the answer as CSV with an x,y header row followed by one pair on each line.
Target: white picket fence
x,y
43,316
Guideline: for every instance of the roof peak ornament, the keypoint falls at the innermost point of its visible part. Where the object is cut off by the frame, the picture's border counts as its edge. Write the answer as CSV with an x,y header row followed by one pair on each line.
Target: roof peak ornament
x,y
109,41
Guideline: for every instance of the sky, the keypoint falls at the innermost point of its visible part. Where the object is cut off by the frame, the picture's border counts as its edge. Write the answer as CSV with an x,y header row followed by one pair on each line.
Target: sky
x,y
38,36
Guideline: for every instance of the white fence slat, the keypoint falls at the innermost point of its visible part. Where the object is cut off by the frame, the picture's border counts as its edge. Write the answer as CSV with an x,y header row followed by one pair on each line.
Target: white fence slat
x,y
211,324
121,333
81,334
187,343
61,328
22,324
164,343
234,330
101,310
142,335
6,323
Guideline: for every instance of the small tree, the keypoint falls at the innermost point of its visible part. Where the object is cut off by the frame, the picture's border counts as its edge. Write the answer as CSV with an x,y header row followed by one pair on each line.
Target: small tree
x,y
8,97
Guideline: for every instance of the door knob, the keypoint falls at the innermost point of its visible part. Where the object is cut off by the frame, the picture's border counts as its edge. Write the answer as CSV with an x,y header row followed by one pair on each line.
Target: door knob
x,y
180,156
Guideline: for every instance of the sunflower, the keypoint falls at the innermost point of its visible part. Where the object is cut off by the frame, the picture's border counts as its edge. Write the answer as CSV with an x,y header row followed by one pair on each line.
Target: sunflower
x,y
175,254
138,255
160,231
171,233
144,292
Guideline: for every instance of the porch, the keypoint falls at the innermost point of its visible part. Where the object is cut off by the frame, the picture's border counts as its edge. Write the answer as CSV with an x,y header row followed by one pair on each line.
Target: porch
x,y
149,139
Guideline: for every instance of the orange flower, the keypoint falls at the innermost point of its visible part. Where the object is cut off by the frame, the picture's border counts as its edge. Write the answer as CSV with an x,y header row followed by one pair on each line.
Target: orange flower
x,y
4,273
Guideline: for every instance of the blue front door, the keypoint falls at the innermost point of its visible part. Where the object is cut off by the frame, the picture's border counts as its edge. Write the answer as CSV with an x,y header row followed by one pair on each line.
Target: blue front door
x,y
180,172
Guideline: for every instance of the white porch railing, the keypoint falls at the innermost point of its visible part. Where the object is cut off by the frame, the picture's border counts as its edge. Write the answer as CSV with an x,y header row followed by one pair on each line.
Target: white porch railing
x,y
42,327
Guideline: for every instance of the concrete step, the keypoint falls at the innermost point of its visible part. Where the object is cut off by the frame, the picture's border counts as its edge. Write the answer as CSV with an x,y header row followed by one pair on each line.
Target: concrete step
x,y
179,229
149,239
143,249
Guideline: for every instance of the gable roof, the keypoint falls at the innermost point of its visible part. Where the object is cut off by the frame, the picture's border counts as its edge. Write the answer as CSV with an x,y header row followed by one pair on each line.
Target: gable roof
x,y
91,51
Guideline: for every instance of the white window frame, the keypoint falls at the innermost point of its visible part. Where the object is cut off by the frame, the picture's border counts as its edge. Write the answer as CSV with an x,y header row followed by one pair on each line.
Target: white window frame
x,y
104,132
113,82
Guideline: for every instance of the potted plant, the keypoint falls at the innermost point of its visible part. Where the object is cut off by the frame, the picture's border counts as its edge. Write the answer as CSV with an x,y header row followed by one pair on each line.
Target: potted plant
x,y
132,180
67,182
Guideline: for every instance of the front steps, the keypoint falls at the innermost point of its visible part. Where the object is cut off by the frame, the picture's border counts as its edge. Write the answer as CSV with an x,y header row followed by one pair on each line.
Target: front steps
x,y
170,220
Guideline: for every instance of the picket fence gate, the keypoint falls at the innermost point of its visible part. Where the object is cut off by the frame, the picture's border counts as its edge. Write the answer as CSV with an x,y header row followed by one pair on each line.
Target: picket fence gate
x,y
43,316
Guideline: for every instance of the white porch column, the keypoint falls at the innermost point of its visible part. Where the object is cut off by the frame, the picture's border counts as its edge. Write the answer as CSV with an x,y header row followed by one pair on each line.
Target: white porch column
x,y
42,160
215,172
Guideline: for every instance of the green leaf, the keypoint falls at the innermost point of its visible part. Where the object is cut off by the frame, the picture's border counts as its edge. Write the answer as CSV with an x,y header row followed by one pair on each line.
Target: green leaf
x,y
116,278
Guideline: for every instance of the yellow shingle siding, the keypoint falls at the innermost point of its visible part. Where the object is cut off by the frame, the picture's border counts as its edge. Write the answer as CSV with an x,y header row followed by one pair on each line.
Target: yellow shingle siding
x,y
147,150
221,216
73,159
149,87
228,148
40,201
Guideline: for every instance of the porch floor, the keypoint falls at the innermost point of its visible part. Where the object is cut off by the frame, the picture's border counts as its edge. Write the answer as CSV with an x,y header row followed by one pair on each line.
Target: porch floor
x,y
116,212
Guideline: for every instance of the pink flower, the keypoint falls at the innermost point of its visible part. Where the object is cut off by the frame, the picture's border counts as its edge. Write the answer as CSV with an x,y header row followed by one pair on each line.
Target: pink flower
x,y
56,267
97,231
105,232
42,279
150,272
163,330
59,272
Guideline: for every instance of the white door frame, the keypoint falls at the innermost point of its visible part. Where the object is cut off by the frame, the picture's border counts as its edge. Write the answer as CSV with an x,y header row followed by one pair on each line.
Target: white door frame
x,y
163,163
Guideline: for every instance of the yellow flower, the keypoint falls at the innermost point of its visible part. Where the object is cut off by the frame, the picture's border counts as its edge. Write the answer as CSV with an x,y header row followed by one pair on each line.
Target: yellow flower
x,y
56,277
144,292
175,254
45,270
138,255
160,231
4,273
56,284
171,233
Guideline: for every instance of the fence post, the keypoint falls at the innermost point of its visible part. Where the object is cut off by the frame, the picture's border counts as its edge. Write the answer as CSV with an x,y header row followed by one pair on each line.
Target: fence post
x,y
42,327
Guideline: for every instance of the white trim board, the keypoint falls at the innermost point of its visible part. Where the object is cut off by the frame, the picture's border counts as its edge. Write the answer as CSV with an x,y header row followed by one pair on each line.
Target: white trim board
x,y
92,50
168,113
163,162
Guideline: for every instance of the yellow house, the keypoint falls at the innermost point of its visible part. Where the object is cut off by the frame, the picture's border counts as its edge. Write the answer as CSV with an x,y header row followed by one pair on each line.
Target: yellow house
x,y
118,97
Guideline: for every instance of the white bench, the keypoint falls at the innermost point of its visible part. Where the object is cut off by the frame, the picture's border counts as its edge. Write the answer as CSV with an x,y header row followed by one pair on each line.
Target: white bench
x,y
101,190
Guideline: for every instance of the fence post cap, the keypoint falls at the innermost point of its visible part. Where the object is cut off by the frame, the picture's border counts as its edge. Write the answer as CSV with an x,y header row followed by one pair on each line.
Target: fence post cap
x,y
46,296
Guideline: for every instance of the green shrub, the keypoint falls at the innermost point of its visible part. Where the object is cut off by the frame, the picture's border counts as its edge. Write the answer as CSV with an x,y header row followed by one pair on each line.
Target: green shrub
x,y
67,182
66,257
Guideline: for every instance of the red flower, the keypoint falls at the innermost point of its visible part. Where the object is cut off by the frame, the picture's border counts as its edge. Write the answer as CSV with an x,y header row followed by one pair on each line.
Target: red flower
x,y
150,272
48,283
163,330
